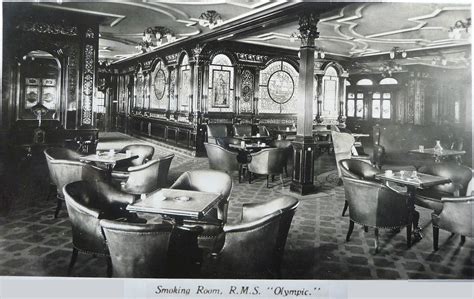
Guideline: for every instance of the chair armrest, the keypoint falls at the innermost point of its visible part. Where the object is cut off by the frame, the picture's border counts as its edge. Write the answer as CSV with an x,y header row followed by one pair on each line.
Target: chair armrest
x,y
114,195
120,175
458,199
379,152
244,226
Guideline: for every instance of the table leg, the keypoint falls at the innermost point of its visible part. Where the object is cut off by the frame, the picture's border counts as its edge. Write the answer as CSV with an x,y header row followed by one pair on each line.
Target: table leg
x,y
414,215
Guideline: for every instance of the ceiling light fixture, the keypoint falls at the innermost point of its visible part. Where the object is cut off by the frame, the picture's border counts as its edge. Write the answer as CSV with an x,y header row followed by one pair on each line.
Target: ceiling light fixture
x,y
210,18
460,28
396,51
319,53
439,60
154,36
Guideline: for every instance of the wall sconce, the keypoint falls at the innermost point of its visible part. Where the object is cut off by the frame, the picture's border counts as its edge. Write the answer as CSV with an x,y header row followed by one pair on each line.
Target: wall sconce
x,y
439,60
319,53
396,51
460,27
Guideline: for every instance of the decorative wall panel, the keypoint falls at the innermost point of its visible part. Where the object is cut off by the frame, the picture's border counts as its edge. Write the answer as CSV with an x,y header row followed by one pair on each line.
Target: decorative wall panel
x,y
88,84
221,85
278,88
247,90
185,91
139,90
173,100
159,87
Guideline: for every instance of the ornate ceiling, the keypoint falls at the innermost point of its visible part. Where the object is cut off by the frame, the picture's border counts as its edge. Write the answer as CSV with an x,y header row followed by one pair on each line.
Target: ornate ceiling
x,y
354,31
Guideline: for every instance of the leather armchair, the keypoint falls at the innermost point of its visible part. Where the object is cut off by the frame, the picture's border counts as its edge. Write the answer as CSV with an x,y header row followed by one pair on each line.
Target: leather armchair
x,y
143,151
222,159
216,131
137,250
288,147
343,144
261,235
357,169
147,177
57,153
376,205
243,129
87,203
68,171
263,131
460,177
270,161
208,181
455,217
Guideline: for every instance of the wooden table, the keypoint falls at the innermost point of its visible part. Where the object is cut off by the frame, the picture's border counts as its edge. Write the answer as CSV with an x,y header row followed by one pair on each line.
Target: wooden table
x,y
184,254
108,160
421,181
438,155
196,207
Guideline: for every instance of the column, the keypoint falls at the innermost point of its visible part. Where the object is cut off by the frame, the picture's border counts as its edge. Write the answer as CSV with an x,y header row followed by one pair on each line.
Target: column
x,y
304,146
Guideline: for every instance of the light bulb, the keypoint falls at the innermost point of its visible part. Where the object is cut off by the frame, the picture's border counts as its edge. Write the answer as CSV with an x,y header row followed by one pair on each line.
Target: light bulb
x,y
392,54
404,54
322,54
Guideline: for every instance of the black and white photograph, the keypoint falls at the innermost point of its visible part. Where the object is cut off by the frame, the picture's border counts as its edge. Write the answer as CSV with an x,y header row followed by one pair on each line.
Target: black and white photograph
x,y
287,143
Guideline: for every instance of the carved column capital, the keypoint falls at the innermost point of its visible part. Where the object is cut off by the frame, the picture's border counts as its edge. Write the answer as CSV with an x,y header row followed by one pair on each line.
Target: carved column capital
x,y
308,29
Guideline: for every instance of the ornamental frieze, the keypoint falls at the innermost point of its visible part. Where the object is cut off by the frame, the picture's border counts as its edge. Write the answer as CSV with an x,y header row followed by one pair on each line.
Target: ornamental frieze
x,y
173,58
254,58
45,28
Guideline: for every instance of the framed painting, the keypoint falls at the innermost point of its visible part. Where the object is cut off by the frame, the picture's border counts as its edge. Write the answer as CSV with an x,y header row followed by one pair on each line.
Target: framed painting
x,y
220,88
31,96
49,97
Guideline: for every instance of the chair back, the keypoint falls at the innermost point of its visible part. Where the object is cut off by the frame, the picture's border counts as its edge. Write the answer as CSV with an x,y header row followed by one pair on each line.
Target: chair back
x,y
58,153
84,212
148,177
208,181
221,158
375,205
137,250
263,131
68,171
243,129
456,215
216,130
268,161
144,151
358,169
342,143
262,238
459,175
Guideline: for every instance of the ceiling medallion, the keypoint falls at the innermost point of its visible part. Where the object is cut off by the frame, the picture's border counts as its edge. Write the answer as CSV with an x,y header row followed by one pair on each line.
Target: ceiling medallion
x,y
460,28
387,69
210,18
155,37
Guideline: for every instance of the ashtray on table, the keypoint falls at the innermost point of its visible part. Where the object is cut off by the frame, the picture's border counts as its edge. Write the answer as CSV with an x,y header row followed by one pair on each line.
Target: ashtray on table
x,y
182,198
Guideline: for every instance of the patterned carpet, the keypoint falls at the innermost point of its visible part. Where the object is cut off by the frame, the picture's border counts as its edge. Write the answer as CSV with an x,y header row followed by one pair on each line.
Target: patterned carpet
x,y
33,243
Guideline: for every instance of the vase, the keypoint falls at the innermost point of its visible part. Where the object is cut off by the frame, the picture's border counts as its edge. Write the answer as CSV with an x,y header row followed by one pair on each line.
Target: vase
x,y
438,148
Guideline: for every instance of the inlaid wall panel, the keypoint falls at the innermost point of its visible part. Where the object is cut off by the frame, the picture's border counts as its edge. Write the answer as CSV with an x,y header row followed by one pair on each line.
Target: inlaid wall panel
x,y
221,85
247,91
278,88
159,93
172,95
185,91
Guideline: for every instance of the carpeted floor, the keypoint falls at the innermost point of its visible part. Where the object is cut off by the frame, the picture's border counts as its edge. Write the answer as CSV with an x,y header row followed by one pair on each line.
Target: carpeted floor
x,y
33,243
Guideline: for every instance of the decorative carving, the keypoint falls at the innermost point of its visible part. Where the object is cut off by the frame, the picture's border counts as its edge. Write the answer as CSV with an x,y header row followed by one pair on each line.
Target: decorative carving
x,y
308,29
88,84
90,33
246,91
254,58
172,58
196,52
45,28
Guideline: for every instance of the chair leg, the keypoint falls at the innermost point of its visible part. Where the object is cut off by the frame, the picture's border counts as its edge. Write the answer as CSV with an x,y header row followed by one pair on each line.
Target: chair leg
x,y
366,229
240,174
73,261
273,177
286,170
435,237
268,186
250,177
346,205
463,239
376,240
58,207
109,267
349,232
281,179
52,190
409,235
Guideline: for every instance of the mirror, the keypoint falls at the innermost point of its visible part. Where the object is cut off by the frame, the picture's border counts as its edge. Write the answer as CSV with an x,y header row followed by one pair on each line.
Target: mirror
x,y
39,86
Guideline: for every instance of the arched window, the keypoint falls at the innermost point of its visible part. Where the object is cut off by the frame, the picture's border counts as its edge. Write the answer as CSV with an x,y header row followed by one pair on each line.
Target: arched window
x,y
184,92
330,91
364,82
388,81
221,84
